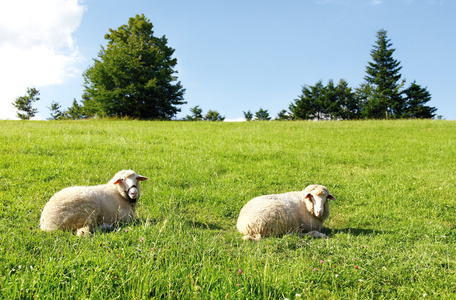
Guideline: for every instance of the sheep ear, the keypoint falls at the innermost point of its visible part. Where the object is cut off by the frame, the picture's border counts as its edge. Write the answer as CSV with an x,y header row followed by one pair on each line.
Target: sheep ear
x,y
117,181
141,178
331,197
308,196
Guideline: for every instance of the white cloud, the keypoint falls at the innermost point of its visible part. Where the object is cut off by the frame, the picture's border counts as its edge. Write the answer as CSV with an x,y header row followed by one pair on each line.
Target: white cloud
x,y
36,46
377,2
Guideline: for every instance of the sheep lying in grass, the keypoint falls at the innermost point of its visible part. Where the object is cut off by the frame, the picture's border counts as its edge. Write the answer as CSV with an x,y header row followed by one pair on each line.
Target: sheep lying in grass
x,y
274,215
83,208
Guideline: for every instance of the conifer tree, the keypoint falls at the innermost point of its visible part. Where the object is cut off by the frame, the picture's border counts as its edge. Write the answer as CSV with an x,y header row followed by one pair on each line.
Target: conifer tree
x,y
24,104
248,115
415,98
383,75
262,115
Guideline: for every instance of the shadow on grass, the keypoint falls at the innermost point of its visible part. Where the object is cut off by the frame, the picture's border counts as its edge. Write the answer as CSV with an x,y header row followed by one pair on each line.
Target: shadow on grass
x,y
202,225
354,231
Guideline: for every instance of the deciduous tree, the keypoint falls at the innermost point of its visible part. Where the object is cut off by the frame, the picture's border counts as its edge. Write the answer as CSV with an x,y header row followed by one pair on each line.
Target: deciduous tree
x,y
134,75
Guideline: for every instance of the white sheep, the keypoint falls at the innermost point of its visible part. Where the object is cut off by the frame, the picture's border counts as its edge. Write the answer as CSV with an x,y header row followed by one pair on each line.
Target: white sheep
x,y
85,208
274,215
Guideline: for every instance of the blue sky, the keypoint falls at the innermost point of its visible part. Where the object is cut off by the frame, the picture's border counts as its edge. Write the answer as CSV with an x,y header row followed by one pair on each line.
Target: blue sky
x,y
233,56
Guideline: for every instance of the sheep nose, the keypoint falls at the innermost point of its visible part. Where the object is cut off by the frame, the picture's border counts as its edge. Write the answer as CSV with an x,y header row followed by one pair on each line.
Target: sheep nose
x,y
133,193
318,213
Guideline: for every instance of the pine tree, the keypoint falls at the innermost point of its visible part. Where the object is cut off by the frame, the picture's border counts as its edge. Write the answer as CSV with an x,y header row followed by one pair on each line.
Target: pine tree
x,y
415,98
284,115
197,114
307,105
383,74
213,115
262,115
248,115
74,112
24,104
56,112
348,106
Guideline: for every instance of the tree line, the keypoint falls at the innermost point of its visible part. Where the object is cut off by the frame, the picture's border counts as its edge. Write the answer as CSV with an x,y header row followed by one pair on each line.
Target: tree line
x,y
135,77
381,96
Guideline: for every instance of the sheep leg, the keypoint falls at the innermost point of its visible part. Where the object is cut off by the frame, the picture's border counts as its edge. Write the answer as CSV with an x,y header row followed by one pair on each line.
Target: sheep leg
x,y
84,231
248,237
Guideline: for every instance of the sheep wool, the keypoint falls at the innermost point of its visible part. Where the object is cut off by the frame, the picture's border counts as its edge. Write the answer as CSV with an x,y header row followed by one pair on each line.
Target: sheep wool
x,y
85,208
275,215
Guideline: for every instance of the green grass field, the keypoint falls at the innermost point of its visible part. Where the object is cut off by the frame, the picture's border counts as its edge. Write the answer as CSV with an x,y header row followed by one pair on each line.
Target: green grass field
x,y
392,226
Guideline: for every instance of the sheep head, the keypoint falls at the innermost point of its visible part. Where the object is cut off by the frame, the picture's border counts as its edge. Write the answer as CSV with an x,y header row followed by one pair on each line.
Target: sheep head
x,y
127,182
316,199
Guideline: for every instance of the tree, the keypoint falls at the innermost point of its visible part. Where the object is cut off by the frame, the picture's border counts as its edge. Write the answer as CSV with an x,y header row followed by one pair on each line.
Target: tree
x,y
348,106
383,74
329,101
56,113
213,115
134,76
415,98
284,115
24,104
74,112
326,102
248,115
262,115
370,107
303,107
196,114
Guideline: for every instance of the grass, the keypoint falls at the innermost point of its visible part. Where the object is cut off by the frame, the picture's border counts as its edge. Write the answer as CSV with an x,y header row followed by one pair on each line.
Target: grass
x,y
392,226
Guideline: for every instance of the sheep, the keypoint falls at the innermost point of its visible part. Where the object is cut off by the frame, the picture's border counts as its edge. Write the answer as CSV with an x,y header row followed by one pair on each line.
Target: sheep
x,y
85,208
302,212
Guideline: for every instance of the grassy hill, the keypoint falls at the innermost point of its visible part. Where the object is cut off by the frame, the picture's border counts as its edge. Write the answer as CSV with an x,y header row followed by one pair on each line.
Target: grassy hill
x,y
392,225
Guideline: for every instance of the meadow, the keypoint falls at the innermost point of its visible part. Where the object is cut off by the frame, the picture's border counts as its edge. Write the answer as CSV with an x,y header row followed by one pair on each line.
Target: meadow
x,y
392,226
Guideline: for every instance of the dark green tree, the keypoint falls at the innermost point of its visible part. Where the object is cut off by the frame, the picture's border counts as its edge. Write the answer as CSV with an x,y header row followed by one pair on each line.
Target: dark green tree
x,y
197,114
56,112
74,112
213,115
24,104
370,108
248,115
319,99
415,98
348,106
134,76
262,115
326,102
303,107
329,101
315,102
284,115
383,75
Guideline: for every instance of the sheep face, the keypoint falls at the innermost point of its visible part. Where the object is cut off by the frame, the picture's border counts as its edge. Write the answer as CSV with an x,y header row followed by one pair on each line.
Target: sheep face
x,y
316,200
129,183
